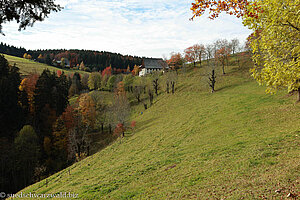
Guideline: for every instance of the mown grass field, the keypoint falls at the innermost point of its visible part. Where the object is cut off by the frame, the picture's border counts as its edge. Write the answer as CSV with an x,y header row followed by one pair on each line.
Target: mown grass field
x,y
28,66
237,143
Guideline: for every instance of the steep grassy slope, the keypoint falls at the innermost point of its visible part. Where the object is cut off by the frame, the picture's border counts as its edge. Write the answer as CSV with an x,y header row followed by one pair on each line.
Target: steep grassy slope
x,y
29,66
236,143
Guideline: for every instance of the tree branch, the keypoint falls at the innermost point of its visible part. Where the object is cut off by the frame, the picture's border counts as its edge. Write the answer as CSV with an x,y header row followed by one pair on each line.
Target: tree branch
x,y
290,24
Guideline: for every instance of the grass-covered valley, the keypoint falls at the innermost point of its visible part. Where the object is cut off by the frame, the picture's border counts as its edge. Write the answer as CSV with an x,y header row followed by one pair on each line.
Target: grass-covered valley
x,y
150,99
235,143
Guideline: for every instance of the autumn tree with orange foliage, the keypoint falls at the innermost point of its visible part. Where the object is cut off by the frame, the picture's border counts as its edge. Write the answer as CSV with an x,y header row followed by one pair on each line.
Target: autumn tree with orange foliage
x,y
28,85
222,56
194,53
176,61
79,121
107,71
135,71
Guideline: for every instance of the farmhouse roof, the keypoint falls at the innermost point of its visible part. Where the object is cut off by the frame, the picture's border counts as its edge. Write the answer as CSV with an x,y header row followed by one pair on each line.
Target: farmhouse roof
x,y
153,63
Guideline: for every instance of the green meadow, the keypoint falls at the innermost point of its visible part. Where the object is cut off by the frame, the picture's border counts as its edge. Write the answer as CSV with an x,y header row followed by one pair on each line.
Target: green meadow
x,y
236,143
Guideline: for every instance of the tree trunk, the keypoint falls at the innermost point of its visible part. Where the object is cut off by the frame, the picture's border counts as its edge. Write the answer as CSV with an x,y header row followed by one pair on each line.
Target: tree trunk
x,y
223,68
123,134
194,63
78,149
173,87
151,98
212,80
156,86
102,128
168,88
299,94
109,127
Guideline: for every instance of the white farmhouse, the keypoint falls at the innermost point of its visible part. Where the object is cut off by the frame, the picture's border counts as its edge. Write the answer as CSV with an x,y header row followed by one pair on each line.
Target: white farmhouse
x,y
152,64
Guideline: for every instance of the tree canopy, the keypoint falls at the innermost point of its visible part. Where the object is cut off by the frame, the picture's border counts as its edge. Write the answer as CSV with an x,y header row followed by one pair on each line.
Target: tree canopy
x,y
275,44
26,12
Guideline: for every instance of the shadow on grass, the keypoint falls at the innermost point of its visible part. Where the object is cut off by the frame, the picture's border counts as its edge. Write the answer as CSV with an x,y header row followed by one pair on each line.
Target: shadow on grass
x,y
145,124
227,87
101,140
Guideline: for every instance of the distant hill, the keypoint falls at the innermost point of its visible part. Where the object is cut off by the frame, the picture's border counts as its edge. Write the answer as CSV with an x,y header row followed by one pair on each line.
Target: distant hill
x,y
28,66
237,143
93,60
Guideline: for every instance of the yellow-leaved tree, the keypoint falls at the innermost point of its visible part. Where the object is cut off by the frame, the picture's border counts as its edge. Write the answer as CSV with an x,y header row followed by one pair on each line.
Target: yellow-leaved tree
x,y
275,44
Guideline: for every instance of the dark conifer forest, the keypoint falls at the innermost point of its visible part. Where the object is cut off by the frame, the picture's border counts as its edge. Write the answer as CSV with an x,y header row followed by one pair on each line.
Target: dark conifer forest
x,y
93,60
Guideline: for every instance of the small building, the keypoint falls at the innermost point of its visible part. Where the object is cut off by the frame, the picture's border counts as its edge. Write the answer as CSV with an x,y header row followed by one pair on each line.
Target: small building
x,y
57,63
152,64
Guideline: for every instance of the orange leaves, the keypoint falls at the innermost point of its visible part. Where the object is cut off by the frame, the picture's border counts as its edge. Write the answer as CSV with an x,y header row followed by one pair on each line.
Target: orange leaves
x,y
86,107
232,7
107,71
68,117
58,73
120,90
28,85
133,124
175,60
194,53
120,128
135,71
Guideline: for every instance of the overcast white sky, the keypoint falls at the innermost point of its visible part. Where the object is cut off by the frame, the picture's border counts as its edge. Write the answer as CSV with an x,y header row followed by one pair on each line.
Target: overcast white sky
x,y
151,28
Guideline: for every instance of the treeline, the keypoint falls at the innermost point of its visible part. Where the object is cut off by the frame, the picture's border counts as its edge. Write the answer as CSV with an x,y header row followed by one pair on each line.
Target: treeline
x,y
12,50
92,60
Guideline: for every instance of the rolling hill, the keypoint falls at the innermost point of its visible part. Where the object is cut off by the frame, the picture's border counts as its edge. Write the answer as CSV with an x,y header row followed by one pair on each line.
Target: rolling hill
x,y
28,66
237,143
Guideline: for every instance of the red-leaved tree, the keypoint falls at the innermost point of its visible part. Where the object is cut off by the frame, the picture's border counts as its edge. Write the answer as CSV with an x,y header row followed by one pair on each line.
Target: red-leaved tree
x,y
194,53
107,71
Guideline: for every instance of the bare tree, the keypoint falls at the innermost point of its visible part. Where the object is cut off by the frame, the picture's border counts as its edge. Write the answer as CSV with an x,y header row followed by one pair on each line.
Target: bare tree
x,y
149,89
209,52
210,75
212,80
150,93
238,56
101,109
84,120
170,80
222,52
155,81
234,44
121,110
137,92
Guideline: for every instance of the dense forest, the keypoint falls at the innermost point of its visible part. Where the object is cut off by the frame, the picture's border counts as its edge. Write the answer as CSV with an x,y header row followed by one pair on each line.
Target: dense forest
x,y
43,132
92,60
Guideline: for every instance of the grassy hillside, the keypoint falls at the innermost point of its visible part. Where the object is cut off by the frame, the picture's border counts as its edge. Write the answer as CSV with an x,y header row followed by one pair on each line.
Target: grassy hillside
x,y
28,66
233,144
